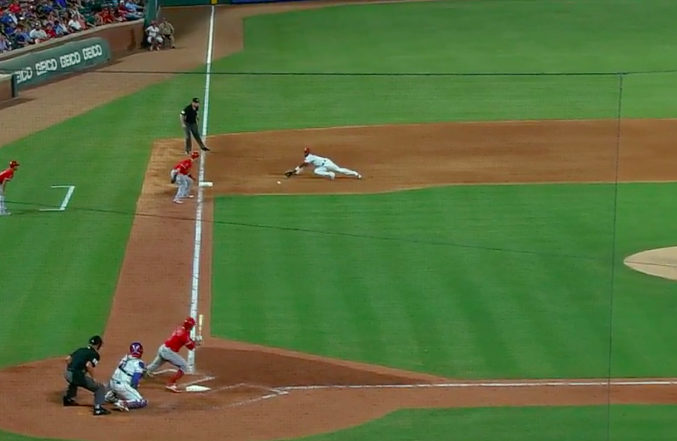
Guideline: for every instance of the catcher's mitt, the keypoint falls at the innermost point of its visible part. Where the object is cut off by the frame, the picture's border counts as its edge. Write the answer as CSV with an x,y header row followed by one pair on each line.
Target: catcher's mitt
x,y
288,173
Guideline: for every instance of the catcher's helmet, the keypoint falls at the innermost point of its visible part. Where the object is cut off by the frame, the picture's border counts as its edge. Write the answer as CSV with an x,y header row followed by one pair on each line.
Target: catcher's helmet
x,y
195,155
136,349
13,163
96,341
306,151
189,323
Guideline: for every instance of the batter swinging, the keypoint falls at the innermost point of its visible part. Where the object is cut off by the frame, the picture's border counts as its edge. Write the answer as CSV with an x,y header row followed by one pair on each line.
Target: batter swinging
x,y
169,352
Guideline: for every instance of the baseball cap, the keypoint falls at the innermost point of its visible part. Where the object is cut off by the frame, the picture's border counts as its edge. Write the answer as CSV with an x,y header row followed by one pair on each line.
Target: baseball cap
x,y
13,163
195,100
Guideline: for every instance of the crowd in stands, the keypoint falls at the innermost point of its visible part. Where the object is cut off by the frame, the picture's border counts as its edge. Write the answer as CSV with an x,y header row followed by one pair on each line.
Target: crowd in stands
x,y
28,22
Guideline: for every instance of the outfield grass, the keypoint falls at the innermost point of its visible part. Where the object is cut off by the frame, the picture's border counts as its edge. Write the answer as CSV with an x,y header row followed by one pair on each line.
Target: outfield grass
x,y
584,423
489,281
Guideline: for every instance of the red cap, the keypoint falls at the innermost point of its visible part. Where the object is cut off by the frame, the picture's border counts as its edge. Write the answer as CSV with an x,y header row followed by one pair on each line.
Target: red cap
x,y
13,163
195,155
189,323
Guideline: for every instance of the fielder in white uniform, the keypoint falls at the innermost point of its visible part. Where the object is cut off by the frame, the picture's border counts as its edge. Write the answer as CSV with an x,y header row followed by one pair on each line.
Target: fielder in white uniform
x,y
124,384
323,166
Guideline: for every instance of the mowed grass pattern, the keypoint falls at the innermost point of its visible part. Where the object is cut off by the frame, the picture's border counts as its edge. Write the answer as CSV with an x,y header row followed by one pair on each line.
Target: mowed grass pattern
x,y
458,281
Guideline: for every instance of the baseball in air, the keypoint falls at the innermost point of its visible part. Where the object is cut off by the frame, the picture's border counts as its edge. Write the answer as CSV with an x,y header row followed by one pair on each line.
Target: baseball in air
x,y
279,182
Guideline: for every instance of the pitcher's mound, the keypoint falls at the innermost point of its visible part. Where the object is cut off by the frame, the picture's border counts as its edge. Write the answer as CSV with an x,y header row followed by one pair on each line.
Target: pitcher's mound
x,y
661,262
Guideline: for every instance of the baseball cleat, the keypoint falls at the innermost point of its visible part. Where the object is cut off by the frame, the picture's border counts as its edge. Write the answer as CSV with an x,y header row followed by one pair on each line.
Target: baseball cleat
x,y
69,402
172,387
101,411
121,406
205,149
178,201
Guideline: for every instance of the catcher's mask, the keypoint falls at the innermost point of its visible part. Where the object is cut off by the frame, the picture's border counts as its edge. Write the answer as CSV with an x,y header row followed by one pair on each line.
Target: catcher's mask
x,y
189,323
136,349
96,341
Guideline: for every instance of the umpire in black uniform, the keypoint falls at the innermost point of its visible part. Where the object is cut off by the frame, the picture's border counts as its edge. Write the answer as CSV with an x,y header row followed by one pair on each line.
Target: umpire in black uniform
x,y
189,119
80,373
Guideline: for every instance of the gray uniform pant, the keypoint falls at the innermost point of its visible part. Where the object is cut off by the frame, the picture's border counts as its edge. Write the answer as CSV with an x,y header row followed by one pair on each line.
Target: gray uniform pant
x,y
191,129
3,209
88,383
165,354
184,183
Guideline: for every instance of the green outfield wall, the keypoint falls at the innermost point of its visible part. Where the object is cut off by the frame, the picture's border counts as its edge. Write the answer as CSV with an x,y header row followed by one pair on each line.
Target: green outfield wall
x,y
38,67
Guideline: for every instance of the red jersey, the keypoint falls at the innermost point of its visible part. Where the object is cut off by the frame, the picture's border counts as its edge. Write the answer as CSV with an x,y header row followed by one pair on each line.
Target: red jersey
x,y
178,339
6,175
184,166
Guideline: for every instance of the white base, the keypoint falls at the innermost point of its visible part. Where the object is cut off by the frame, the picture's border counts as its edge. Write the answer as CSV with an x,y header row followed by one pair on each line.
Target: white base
x,y
206,184
197,388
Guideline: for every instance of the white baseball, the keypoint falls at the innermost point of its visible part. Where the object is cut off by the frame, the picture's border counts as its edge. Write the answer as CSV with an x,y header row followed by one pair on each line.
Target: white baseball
x,y
279,182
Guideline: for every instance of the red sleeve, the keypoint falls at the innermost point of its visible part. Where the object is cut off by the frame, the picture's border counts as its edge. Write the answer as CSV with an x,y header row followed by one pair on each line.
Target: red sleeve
x,y
190,344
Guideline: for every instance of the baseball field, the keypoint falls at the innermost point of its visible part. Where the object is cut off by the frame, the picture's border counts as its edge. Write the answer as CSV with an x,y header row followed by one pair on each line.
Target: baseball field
x,y
471,286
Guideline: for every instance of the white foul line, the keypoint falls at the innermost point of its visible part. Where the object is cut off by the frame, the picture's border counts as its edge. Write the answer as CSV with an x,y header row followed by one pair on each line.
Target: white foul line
x,y
197,245
507,384
64,203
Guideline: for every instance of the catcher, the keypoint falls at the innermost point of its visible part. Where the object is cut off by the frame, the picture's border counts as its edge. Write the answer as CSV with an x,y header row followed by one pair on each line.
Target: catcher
x,y
323,167
124,384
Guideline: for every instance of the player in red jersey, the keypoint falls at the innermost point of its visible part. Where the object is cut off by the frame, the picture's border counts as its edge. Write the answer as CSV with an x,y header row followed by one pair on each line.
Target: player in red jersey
x,y
180,175
5,176
169,352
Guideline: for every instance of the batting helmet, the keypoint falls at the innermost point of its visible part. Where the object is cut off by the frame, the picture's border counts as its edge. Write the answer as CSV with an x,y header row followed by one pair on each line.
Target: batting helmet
x,y
189,323
136,349
96,341
195,155
306,151
13,164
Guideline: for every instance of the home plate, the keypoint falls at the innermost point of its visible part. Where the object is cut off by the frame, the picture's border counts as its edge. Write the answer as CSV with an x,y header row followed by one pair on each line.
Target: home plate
x,y
197,388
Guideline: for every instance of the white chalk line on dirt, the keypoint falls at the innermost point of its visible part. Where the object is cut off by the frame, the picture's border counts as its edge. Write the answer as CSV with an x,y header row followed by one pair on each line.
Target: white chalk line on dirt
x,y
197,244
491,384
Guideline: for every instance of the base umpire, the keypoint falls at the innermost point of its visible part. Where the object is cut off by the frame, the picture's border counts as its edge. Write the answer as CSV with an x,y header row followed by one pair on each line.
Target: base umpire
x,y
189,119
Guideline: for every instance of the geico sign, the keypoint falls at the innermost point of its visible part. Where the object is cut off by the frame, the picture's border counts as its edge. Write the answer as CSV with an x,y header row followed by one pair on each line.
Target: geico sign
x,y
71,59
24,75
92,51
45,66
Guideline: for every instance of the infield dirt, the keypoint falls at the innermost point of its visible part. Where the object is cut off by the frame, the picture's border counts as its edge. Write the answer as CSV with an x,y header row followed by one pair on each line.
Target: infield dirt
x,y
262,393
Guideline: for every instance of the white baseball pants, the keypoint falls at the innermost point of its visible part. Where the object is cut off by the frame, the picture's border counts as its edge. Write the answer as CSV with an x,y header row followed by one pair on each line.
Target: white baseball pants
x,y
125,392
329,170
